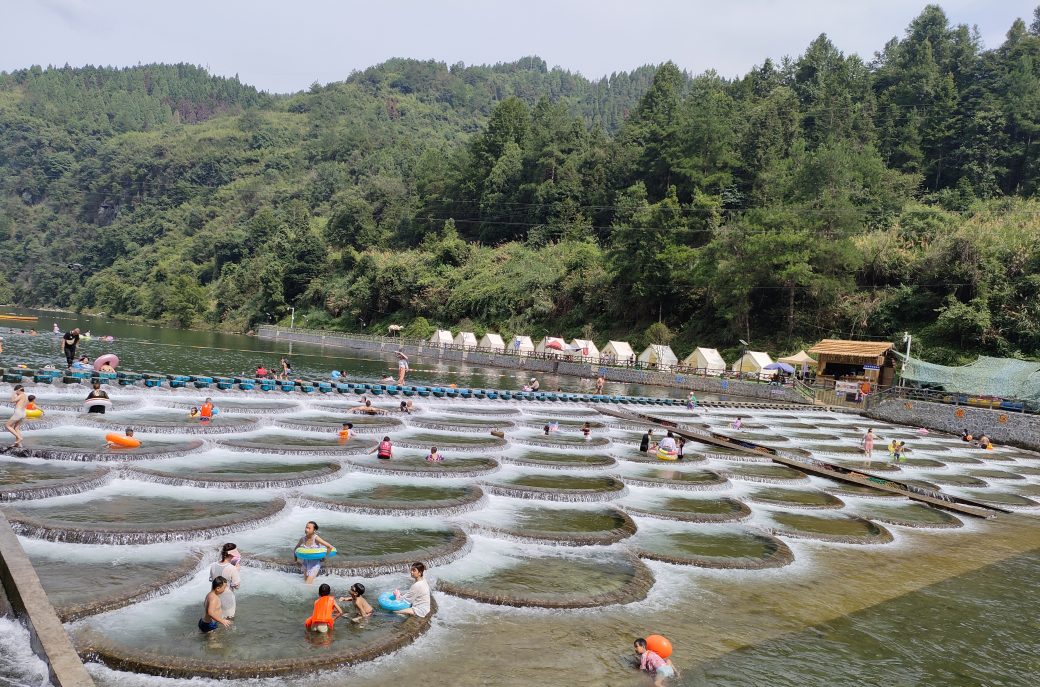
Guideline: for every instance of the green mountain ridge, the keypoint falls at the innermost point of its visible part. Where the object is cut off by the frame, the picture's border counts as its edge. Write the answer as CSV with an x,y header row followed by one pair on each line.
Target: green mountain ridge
x,y
821,196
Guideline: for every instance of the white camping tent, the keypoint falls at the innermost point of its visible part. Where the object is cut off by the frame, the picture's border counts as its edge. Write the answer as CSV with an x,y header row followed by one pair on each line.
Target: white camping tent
x,y
585,349
754,361
658,354
493,341
707,359
617,352
466,340
441,337
521,345
540,348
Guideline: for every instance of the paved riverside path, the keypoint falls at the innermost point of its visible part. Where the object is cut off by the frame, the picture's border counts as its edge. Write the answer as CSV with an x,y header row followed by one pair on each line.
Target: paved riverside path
x,y
49,639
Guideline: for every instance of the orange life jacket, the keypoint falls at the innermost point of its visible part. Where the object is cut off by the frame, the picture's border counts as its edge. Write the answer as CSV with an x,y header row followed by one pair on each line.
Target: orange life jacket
x,y
30,406
207,410
322,611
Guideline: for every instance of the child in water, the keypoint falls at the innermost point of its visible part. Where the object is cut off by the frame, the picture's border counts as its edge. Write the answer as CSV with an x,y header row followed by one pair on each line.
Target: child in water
x,y
323,617
364,610
311,540
586,430
433,454
211,614
652,663
193,413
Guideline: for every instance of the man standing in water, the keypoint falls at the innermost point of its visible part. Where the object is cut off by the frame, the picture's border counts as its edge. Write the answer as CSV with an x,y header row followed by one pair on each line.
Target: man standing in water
x,y
70,344
20,400
599,384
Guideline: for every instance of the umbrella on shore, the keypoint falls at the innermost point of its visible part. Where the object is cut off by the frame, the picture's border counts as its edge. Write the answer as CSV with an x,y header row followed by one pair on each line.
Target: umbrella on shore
x,y
779,366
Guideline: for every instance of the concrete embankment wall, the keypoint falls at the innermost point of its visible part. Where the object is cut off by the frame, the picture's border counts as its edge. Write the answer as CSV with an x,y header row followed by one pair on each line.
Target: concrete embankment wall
x,y
49,639
693,383
1012,429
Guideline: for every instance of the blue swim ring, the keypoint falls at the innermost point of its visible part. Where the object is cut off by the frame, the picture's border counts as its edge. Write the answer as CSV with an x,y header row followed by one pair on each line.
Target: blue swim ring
x,y
387,601
311,553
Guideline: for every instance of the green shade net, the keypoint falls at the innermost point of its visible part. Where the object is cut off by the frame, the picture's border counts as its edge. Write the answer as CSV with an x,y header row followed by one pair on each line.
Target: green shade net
x,y
999,377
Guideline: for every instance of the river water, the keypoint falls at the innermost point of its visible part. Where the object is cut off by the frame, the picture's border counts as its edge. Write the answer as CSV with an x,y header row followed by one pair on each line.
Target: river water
x,y
904,605
151,348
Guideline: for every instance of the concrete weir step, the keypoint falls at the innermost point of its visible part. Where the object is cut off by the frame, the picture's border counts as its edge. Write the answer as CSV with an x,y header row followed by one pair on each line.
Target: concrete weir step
x,y
30,603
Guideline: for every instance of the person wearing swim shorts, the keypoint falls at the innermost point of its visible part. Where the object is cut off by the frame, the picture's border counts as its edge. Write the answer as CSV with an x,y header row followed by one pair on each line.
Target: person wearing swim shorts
x,y
211,615
14,423
310,539
70,344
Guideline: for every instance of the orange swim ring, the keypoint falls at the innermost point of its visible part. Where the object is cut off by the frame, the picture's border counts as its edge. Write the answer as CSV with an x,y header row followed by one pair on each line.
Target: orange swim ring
x,y
123,440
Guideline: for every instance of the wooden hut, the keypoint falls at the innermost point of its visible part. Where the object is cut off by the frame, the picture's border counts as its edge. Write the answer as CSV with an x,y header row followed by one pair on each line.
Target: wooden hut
x,y
870,362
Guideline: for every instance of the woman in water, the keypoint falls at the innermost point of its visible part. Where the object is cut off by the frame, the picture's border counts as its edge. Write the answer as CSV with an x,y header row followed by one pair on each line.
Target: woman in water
x,y
228,568
868,443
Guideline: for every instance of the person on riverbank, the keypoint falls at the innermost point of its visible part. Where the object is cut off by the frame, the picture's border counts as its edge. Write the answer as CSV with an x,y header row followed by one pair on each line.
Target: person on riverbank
x,y
70,345
648,438
310,539
211,612
97,394
651,662
868,443
14,423
418,595
364,609
326,611
228,568
402,366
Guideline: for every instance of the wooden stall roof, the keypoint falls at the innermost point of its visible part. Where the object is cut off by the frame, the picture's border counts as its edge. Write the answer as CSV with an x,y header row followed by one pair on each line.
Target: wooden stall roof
x,y
852,352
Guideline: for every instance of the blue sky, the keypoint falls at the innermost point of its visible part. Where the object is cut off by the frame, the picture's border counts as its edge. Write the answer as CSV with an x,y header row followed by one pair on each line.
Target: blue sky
x,y
286,46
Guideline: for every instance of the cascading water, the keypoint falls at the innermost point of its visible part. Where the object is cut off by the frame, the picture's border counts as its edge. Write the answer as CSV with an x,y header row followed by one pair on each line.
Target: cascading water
x,y
521,533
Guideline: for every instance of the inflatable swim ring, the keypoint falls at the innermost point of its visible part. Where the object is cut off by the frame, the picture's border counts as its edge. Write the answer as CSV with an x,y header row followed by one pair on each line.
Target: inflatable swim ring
x,y
123,440
391,603
34,413
310,553
659,645
103,402
81,366
665,454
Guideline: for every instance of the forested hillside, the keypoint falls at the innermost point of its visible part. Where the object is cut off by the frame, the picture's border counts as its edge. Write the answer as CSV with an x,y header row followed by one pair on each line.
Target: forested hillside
x,y
822,195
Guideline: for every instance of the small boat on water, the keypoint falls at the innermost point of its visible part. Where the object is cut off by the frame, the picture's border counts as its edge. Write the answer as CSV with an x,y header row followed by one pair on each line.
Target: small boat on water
x,y
20,318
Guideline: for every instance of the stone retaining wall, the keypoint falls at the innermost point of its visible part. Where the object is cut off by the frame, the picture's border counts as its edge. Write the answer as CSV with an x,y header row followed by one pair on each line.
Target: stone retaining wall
x,y
510,361
1017,429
